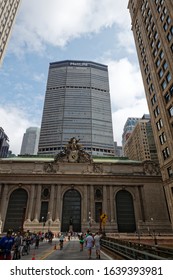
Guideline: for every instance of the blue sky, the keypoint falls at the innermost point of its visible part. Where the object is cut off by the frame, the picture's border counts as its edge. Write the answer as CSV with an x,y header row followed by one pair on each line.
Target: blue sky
x,y
47,31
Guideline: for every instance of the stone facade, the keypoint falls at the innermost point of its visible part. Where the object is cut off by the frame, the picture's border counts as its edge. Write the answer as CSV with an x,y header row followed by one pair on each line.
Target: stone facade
x,y
45,181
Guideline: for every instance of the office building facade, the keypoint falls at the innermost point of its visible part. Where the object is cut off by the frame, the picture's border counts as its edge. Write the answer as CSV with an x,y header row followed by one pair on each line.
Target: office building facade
x,y
77,104
30,141
8,11
140,144
4,144
152,26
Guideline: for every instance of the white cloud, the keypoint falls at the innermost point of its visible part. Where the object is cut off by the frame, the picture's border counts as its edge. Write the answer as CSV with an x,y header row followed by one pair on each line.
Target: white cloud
x,y
14,122
127,94
125,83
136,110
56,22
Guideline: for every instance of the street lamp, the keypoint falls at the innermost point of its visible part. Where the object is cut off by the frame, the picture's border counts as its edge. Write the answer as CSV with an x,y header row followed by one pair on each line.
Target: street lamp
x,y
42,219
49,221
89,219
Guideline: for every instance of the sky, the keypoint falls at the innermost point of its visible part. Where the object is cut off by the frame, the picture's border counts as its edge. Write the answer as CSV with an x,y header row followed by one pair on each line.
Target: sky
x,y
52,30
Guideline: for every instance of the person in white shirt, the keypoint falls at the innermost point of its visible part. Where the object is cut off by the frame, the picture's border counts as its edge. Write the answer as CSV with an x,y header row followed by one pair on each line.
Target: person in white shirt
x,y
97,238
89,244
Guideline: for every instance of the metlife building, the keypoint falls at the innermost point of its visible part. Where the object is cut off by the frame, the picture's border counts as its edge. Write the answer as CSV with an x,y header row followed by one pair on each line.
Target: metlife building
x,y
77,104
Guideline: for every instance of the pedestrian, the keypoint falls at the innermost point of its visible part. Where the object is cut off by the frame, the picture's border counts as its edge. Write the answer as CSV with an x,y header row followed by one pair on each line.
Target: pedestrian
x,y
89,244
81,241
61,241
37,240
17,246
6,245
97,239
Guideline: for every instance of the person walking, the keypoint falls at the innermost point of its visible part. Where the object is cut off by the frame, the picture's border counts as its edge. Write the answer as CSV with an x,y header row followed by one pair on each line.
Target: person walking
x,y
89,244
81,241
17,246
6,245
97,239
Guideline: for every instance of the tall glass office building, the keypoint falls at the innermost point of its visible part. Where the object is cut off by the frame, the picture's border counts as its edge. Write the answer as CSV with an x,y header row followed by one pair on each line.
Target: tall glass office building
x,y
77,104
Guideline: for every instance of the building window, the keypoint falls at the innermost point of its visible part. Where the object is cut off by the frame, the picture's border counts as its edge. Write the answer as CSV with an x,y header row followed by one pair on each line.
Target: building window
x,y
169,37
164,84
168,77
158,44
156,111
168,20
165,65
161,54
171,29
159,124
166,153
172,48
153,100
160,73
170,172
165,26
167,97
171,90
170,110
162,138
157,62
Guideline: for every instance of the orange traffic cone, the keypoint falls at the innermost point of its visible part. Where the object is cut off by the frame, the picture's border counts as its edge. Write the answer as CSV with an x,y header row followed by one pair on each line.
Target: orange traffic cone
x,y
33,256
55,247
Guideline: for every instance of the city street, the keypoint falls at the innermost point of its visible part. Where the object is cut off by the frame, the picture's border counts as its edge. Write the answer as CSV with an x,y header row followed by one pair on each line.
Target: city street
x,y
70,251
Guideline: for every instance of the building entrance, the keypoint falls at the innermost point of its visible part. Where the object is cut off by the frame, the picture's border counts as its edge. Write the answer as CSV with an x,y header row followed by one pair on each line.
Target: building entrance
x,y
71,211
16,210
125,212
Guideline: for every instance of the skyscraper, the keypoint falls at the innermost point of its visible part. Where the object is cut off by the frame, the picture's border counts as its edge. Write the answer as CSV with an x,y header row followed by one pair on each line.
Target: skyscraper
x,y
128,128
4,145
152,26
8,10
77,104
140,145
30,141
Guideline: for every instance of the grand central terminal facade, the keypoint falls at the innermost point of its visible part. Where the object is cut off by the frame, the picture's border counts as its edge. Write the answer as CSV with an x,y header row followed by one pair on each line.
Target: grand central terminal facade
x,y
72,191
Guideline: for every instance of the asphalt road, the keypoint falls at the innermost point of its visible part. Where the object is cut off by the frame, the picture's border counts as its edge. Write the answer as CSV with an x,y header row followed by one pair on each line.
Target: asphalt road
x,y
70,251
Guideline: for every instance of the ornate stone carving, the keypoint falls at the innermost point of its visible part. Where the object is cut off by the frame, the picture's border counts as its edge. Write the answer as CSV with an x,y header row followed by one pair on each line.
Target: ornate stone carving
x,y
50,168
73,152
151,168
97,168
98,192
45,192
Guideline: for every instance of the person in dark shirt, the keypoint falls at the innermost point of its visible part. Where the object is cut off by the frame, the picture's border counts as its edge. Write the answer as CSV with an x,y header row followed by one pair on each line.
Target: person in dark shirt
x,y
6,245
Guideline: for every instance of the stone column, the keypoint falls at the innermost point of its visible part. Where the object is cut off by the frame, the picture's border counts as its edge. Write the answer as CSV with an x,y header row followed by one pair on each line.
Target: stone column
x,y
31,202
51,202
3,205
58,203
0,200
92,201
112,219
38,203
105,210
85,206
